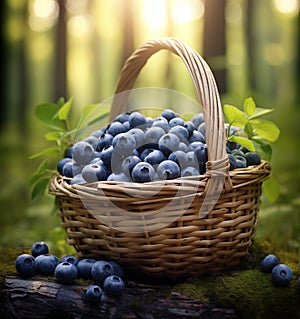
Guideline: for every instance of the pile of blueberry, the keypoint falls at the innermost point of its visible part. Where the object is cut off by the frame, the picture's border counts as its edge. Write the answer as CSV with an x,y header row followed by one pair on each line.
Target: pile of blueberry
x,y
281,273
106,275
142,149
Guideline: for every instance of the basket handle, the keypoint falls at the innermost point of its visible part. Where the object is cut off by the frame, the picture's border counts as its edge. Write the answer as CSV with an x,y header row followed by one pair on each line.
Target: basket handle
x,y
207,91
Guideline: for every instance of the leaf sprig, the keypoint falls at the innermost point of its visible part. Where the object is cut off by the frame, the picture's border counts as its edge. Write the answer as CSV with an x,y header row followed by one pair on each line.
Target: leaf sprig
x,y
63,133
249,130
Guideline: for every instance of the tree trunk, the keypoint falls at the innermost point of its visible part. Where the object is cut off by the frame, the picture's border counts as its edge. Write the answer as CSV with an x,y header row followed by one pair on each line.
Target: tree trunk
x,y
38,298
60,76
214,45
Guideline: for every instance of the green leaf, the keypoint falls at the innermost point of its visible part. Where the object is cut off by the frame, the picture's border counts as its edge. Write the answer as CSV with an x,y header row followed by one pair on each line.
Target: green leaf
x,y
51,151
243,141
248,130
65,109
266,129
41,170
87,110
53,136
249,106
260,112
263,148
47,113
39,188
271,189
234,116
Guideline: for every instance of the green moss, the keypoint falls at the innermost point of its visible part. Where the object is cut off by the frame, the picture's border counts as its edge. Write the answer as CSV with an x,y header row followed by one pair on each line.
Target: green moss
x,y
250,291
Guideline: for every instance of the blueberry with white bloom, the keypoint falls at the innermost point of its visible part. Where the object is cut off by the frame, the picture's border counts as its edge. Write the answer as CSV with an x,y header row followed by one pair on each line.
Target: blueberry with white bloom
x,y
26,265
282,275
93,293
113,285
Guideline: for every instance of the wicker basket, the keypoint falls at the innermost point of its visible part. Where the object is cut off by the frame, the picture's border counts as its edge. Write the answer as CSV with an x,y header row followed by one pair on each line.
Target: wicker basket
x,y
203,224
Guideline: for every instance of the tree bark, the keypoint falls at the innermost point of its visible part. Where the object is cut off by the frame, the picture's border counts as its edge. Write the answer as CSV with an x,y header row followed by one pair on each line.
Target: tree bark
x,y
38,298
60,76
214,41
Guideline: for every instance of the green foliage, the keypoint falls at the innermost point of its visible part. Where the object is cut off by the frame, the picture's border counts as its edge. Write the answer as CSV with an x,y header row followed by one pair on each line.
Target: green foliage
x,y
63,133
255,134
251,131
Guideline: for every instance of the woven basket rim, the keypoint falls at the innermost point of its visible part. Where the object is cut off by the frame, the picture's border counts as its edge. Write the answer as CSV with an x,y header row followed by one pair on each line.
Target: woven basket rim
x,y
261,171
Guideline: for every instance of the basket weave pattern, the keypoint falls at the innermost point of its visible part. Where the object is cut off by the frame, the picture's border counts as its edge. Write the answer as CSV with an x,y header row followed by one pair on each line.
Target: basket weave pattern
x,y
92,213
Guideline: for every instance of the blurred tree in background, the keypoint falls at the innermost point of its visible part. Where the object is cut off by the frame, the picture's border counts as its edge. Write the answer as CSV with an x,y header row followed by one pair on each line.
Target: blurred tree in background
x,y
63,48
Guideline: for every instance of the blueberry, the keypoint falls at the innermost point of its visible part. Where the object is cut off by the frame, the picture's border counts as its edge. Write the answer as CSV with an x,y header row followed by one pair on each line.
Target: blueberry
x,y
124,144
299,281
196,136
168,143
77,179
98,133
118,177
104,141
182,147
149,122
282,275
168,170
113,285
122,117
106,155
92,140
176,121
152,136
84,268
93,293
83,153
192,160
181,132
94,172
116,128
162,123
146,152
143,172
70,259
198,119
155,157
26,265
71,169
168,114
202,129
268,263
138,135
46,264
241,161
232,145
39,248
201,153
100,270
118,270
190,171
190,127
136,119
69,152
129,163
232,162
252,158
179,157
61,164
66,272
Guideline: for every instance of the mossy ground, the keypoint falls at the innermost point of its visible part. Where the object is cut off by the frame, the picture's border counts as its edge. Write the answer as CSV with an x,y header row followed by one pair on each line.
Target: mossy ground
x,y
248,289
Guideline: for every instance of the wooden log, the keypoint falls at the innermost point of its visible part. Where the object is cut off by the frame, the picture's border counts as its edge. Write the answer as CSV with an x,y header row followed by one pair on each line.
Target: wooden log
x,y
39,297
